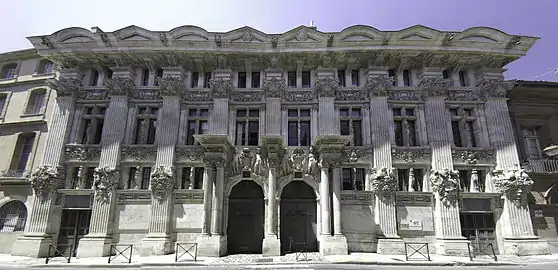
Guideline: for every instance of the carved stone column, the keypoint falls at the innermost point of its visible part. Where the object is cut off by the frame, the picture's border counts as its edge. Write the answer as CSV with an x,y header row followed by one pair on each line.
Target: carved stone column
x,y
221,86
274,86
326,86
158,240
384,214
208,178
446,210
515,222
97,242
275,150
325,198
336,185
49,176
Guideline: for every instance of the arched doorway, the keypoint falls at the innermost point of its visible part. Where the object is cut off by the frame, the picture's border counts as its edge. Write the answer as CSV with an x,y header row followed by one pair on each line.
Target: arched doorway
x,y
298,217
245,230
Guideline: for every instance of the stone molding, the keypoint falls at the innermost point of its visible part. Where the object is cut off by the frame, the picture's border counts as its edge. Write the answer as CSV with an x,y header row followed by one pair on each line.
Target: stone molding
x,y
104,183
66,87
214,162
120,86
44,180
162,182
445,182
82,152
435,86
515,184
473,157
326,86
274,87
411,154
139,153
379,85
221,88
172,85
383,181
189,153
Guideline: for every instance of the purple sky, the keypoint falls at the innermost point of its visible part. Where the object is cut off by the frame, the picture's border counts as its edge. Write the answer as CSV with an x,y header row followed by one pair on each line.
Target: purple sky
x,y
522,17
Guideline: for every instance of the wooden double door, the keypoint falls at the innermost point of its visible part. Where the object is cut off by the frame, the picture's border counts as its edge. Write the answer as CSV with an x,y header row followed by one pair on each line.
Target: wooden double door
x,y
298,218
245,230
74,225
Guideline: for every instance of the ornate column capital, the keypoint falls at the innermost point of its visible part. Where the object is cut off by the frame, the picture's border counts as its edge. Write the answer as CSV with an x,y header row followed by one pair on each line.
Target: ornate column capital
x,y
513,183
326,86
273,87
221,88
162,182
214,162
172,85
120,86
435,86
494,88
104,180
45,180
379,85
445,182
382,181
66,87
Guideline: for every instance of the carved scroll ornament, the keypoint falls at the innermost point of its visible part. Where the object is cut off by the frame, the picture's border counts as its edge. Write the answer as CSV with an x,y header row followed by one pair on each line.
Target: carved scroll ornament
x,y
44,180
382,181
162,182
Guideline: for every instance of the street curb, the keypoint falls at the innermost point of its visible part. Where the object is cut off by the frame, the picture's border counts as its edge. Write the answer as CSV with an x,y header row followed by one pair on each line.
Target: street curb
x,y
430,263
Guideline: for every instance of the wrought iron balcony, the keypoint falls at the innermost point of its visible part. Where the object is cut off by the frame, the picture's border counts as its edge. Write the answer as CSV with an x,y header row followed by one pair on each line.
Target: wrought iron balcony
x,y
541,165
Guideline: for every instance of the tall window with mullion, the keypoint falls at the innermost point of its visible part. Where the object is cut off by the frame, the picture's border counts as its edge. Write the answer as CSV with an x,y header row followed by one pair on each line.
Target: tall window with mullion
x,y
353,178
22,152
299,127
92,122
146,126
404,125
464,127
351,124
247,126
197,123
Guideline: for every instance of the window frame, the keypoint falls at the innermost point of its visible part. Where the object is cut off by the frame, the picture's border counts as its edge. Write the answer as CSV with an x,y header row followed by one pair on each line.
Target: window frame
x,y
299,119
351,120
18,150
7,209
463,120
404,119
535,137
150,117
32,99
199,119
246,120
98,113
9,71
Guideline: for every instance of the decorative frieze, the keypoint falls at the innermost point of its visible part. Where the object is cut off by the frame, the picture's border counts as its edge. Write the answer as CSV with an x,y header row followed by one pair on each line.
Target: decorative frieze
x,y
44,180
406,94
134,197
355,154
139,153
162,182
379,85
446,183
414,198
147,94
472,94
188,197
299,95
514,183
357,196
221,87
435,86
189,153
197,96
104,183
473,156
326,86
411,155
82,153
382,181
94,94
351,95
120,86
248,96
494,87
172,85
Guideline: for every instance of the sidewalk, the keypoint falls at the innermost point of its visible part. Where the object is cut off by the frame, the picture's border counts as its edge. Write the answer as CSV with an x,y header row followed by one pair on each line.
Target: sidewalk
x,y
313,258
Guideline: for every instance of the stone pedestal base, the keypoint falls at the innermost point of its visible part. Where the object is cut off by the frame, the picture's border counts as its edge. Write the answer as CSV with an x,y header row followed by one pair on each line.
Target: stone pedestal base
x,y
271,246
94,246
452,247
333,245
156,245
390,246
212,246
526,247
32,246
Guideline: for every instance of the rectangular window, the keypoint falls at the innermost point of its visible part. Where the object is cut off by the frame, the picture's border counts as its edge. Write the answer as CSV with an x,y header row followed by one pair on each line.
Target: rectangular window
x,y
410,179
206,80
393,75
406,78
192,178
9,71
298,127
22,152
446,74
354,78
404,125
463,81
531,142
146,126
351,124
456,134
242,80
94,78
159,74
352,178
194,81
145,176
255,80
3,99
197,123
45,67
306,79
291,79
341,78
92,122
36,102
464,127
247,126
145,77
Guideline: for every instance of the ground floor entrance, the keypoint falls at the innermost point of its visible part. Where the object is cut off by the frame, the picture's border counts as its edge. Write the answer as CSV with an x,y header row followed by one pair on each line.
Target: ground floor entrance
x,y
245,230
479,228
298,218
74,225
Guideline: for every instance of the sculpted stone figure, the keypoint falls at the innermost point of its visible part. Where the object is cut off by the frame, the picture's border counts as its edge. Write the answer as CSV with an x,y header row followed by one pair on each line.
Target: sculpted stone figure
x,y
104,179
382,181
312,168
44,180
162,181
259,167
446,183
514,183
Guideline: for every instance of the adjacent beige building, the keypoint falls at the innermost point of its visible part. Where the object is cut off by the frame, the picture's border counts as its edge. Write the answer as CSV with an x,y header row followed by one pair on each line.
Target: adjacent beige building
x,y
247,142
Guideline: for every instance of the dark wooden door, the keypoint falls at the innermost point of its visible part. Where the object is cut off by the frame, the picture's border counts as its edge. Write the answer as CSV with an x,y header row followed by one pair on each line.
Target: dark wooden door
x,y
479,228
73,226
298,218
245,230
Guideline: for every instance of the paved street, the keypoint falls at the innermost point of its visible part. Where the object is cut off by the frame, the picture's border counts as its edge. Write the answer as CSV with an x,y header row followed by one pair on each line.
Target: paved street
x,y
333,266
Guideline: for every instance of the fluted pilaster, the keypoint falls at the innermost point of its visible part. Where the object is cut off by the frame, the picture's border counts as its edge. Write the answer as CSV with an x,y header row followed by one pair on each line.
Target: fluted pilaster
x,y
501,133
218,186
219,123
324,201
438,120
326,117
273,116
336,199
207,199
271,202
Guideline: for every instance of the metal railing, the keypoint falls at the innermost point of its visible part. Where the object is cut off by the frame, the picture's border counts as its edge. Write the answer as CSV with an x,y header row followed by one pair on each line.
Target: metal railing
x,y
418,249
479,249
541,165
186,248
58,253
120,252
300,249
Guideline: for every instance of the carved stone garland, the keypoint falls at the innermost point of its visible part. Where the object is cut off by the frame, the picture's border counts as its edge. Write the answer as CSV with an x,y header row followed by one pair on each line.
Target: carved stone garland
x,y
44,180
274,87
65,87
104,179
162,182
497,88
120,86
514,183
326,86
379,85
435,86
172,85
382,181
445,182
221,87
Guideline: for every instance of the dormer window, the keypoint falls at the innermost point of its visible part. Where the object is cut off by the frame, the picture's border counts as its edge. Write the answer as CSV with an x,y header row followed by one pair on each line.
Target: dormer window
x,y
463,80
406,78
45,67
9,71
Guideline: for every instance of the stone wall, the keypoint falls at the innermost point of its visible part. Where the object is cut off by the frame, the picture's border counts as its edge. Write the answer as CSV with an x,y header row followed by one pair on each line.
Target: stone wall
x,y
357,215
415,218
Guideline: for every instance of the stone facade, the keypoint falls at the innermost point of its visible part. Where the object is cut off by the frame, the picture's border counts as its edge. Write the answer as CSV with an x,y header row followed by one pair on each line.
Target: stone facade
x,y
251,142
533,111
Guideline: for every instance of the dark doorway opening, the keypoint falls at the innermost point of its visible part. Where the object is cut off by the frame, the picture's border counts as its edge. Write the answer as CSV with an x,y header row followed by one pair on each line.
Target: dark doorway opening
x,y
298,218
245,230
479,228
74,225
